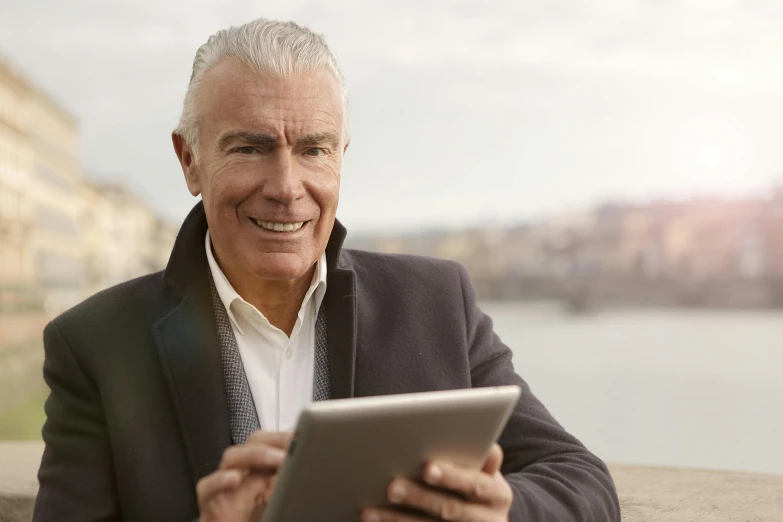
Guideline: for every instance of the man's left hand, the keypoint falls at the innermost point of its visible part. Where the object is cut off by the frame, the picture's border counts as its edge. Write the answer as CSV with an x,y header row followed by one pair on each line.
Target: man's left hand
x,y
471,496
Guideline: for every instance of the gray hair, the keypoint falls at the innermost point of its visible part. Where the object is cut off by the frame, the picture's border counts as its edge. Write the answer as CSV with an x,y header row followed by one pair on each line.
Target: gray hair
x,y
278,49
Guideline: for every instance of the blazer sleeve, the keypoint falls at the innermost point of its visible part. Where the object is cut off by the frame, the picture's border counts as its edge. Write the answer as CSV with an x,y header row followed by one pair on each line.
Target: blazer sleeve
x,y
553,476
76,476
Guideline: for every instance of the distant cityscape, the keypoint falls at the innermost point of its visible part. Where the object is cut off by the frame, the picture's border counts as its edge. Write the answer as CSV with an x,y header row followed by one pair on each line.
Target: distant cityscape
x,y
701,252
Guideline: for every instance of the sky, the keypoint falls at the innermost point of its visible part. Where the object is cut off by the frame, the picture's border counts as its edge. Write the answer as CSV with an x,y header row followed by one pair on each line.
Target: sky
x,y
462,113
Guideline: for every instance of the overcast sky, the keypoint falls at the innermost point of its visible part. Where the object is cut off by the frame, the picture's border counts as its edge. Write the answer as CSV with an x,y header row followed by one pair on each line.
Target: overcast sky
x,y
461,112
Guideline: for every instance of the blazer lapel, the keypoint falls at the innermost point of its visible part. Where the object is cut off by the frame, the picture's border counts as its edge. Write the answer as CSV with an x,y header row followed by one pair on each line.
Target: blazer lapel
x,y
340,309
189,353
189,350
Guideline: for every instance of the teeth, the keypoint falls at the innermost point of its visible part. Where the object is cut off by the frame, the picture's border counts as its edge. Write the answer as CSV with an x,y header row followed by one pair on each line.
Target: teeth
x,y
279,227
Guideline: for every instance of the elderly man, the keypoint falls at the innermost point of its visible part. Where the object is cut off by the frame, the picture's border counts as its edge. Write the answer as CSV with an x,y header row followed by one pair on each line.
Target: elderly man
x,y
173,395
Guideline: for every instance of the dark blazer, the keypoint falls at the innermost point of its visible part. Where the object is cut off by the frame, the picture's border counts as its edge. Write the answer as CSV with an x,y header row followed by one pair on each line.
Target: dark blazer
x,y
137,412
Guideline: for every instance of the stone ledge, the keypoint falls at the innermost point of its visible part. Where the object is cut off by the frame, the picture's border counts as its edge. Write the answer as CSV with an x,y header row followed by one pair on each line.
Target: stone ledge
x,y
16,509
19,463
646,494
686,495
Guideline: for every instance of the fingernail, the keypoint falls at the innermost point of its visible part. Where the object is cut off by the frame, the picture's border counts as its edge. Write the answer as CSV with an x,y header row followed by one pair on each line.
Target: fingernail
x,y
396,492
434,473
371,516
275,455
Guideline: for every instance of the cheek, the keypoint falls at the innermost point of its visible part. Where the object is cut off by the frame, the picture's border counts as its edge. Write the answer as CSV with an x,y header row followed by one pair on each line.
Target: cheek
x,y
326,199
328,191
327,202
229,186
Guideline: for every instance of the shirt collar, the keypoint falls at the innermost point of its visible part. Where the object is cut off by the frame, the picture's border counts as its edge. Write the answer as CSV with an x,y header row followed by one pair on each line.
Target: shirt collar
x,y
228,295
318,286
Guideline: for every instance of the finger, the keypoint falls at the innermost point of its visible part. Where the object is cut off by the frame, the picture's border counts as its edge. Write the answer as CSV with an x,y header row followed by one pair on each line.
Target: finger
x,y
260,487
384,515
279,439
214,483
474,485
441,505
494,460
239,502
257,457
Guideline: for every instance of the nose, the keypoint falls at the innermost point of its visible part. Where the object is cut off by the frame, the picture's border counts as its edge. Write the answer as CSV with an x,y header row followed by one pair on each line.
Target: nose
x,y
282,183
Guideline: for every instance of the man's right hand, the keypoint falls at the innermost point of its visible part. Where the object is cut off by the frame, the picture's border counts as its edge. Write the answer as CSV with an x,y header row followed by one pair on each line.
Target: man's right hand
x,y
240,489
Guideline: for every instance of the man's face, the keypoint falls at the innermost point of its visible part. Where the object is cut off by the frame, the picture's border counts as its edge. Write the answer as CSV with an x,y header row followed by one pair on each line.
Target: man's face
x,y
270,158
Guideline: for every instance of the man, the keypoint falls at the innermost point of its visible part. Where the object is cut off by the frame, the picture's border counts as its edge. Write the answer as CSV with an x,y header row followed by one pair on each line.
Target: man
x,y
173,395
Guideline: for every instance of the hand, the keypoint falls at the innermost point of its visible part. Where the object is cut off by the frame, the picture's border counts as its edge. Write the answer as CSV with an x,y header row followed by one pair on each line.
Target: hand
x,y
239,490
481,496
231,496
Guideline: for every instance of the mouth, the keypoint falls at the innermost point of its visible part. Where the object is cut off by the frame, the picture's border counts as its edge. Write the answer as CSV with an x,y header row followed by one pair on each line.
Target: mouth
x,y
279,227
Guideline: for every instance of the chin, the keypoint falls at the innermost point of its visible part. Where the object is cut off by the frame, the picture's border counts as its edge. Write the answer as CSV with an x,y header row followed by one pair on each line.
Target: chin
x,y
279,269
277,275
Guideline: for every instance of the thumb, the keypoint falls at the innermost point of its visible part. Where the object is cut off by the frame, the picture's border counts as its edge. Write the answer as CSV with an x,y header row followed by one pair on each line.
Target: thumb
x,y
494,460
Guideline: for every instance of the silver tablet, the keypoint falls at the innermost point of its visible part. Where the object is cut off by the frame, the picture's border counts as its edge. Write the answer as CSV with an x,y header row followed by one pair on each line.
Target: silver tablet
x,y
345,452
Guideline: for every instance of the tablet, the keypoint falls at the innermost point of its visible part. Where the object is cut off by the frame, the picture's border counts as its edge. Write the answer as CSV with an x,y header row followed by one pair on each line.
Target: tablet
x,y
345,452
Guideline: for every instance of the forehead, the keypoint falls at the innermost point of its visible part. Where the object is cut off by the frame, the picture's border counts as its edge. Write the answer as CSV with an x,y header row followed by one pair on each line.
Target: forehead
x,y
232,95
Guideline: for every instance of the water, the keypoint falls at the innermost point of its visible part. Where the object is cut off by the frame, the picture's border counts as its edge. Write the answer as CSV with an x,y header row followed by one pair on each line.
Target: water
x,y
661,387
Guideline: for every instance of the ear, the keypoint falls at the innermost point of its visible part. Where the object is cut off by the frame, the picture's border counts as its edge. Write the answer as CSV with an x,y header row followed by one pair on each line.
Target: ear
x,y
345,149
187,160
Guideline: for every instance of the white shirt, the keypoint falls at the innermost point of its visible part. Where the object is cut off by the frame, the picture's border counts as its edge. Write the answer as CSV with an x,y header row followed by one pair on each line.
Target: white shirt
x,y
279,369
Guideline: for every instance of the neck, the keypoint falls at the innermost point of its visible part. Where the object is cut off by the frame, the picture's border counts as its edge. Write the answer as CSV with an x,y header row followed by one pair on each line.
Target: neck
x,y
279,301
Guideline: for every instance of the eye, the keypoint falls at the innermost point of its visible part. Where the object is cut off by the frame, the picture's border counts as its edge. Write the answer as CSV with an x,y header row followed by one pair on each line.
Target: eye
x,y
315,151
245,150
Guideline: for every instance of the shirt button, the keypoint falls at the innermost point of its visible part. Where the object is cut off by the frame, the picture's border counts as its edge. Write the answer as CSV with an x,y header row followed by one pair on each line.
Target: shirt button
x,y
288,353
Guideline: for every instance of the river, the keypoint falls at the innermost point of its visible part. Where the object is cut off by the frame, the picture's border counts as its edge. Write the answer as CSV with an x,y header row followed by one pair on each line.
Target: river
x,y
699,389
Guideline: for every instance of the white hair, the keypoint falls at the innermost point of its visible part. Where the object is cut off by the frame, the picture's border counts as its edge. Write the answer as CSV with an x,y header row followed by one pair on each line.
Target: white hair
x,y
278,49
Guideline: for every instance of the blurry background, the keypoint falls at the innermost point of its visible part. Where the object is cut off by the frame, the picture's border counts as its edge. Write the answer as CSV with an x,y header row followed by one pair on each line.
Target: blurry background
x,y
608,171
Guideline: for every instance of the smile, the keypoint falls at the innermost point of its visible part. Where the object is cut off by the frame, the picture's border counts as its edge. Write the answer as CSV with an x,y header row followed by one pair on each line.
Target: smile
x,y
279,227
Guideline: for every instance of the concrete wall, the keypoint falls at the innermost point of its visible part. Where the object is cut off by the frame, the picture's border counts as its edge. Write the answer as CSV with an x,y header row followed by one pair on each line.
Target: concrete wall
x,y
646,494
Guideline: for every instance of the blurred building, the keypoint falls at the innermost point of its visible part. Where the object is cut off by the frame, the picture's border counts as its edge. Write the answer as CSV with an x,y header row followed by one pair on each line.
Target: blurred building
x,y
15,160
124,238
39,197
772,235
17,257
56,201
62,235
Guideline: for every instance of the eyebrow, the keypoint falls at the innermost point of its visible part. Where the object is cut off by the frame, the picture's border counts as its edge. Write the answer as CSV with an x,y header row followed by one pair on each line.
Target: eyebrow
x,y
251,138
259,139
329,138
